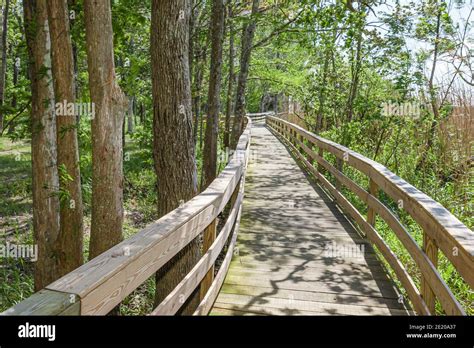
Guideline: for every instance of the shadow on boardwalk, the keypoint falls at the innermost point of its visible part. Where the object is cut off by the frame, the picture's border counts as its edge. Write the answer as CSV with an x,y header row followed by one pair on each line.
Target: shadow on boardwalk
x,y
297,253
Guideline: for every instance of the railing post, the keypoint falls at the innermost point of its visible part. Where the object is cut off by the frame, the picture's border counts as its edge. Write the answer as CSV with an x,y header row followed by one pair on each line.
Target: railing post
x,y
209,236
431,250
340,167
374,191
235,194
320,166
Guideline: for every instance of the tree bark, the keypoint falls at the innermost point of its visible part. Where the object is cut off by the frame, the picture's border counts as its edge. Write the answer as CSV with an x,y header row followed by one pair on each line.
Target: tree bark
x,y
70,238
3,66
72,4
196,62
247,39
110,107
322,94
212,124
14,102
130,125
43,143
230,86
174,148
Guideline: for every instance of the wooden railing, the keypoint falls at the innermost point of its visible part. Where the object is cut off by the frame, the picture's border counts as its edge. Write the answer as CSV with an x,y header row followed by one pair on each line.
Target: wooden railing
x,y
101,284
260,116
441,230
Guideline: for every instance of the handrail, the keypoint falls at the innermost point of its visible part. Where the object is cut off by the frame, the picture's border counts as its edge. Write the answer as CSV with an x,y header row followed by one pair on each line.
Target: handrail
x,y
440,228
260,115
98,286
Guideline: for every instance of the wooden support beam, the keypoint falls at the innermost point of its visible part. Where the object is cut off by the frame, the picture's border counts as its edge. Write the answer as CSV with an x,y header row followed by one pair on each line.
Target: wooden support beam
x,y
374,191
320,166
209,236
431,250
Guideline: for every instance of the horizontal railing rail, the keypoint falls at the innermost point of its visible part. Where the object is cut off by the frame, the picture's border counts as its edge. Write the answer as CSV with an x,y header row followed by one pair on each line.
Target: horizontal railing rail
x,y
441,230
101,284
260,116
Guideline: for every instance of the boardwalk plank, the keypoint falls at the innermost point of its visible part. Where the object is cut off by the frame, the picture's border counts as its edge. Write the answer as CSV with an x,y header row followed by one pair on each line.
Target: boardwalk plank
x,y
288,258
294,306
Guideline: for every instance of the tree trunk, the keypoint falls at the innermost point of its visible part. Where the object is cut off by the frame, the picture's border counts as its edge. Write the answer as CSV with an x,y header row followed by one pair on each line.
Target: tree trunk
x,y
14,103
174,148
110,107
142,113
322,94
212,125
230,86
356,66
198,80
72,4
43,143
433,97
130,126
247,39
196,62
3,66
71,227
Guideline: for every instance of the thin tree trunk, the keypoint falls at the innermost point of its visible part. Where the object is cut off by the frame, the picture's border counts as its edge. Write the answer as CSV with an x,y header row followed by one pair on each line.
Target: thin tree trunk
x,y
230,86
196,100
130,125
43,143
142,113
247,39
72,4
212,124
322,94
70,238
3,66
14,103
174,148
355,79
110,107
433,97
196,63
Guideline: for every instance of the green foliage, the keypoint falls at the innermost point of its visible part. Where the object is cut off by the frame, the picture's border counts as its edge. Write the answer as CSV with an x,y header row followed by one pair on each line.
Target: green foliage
x,y
339,63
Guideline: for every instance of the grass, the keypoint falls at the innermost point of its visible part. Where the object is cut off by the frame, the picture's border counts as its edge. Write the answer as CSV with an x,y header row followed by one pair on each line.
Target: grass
x,y
16,274
140,208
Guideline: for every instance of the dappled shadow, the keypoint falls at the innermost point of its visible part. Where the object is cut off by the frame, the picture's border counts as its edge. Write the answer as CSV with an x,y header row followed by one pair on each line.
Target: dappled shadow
x,y
287,261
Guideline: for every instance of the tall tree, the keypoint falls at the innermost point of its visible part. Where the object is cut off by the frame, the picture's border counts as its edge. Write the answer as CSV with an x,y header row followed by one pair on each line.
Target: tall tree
x,y
3,66
70,238
231,78
438,9
248,33
110,107
174,148
212,124
43,143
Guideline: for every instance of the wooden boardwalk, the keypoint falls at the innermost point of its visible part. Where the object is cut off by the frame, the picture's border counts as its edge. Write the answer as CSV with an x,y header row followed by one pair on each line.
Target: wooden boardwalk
x,y
297,253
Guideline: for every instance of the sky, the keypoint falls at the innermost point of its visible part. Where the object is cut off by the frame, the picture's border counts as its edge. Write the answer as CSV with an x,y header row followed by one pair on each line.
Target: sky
x,y
444,70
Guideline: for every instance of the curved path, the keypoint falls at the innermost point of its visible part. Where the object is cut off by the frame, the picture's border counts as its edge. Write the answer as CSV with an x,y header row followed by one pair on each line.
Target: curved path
x,y
297,253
